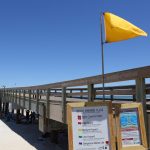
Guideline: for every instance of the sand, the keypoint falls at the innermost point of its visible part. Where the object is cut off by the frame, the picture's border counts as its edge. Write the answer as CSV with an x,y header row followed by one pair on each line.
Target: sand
x,y
23,137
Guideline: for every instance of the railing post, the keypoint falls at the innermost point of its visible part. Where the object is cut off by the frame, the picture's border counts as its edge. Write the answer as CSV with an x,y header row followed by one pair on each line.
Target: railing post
x,y
141,97
19,98
24,98
64,104
12,97
47,103
70,93
91,93
16,97
29,92
37,101
47,109
81,91
111,96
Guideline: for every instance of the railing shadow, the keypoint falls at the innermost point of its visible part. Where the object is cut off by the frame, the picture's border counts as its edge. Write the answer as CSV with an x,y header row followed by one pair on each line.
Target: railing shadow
x,y
30,133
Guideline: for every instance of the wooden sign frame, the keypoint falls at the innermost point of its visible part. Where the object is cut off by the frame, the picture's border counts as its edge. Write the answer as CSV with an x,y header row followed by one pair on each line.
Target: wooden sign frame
x,y
71,106
130,107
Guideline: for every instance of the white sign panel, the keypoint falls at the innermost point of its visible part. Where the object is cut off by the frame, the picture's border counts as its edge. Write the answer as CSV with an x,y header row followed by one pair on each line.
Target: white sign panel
x,y
90,128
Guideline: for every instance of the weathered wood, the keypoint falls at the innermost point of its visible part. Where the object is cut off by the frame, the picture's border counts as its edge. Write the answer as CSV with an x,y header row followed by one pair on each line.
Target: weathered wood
x,y
141,97
19,97
64,105
16,96
24,98
37,101
117,92
29,99
47,110
91,94
143,72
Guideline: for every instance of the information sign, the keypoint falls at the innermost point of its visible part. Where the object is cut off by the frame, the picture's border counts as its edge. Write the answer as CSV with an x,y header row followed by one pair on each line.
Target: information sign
x,y
90,125
131,132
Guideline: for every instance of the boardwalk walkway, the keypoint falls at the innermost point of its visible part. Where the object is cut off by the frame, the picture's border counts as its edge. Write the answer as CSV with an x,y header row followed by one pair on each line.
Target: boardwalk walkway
x,y
22,137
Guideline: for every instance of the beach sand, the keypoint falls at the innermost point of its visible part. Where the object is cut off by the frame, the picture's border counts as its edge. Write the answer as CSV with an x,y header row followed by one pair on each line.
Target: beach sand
x,y
23,137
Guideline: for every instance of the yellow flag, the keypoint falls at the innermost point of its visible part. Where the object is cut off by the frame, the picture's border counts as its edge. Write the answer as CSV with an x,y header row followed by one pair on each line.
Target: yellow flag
x,y
118,29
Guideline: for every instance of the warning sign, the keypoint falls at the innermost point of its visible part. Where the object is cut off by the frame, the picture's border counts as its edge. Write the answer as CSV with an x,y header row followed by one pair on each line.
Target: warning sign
x,y
90,128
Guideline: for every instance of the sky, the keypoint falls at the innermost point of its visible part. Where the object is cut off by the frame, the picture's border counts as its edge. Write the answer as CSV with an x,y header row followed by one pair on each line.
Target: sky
x,y
47,41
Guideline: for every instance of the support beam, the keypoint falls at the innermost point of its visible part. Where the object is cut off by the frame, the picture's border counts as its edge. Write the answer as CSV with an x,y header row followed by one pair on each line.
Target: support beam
x,y
37,101
91,93
141,97
47,110
81,91
64,104
24,98
16,96
111,96
29,92
19,98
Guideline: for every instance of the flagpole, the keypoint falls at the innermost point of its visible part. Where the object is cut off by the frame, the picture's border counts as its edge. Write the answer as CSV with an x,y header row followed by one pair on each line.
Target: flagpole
x,y
102,54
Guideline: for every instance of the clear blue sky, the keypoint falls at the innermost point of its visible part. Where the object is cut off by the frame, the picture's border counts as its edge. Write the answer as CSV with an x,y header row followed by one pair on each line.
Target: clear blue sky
x,y
45,41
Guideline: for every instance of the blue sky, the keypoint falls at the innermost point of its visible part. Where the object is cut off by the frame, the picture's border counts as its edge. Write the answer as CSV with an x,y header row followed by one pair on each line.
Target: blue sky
x,y
46,41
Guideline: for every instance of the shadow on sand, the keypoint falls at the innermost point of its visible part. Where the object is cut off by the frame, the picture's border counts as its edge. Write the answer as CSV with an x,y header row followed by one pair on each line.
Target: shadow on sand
x,y
30,133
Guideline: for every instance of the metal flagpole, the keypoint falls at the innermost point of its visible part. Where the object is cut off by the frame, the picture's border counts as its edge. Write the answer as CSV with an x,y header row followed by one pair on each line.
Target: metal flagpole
x,y
102,54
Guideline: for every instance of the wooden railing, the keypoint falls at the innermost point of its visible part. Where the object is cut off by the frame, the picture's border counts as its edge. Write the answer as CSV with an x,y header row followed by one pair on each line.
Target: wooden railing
x,y
80,89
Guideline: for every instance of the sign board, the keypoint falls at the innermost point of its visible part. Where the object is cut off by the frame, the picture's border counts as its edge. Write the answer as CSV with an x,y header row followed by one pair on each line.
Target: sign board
x,y
90,126
131,132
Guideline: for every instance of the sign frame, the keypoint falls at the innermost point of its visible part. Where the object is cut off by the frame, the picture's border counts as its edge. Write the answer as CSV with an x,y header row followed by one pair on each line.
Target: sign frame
x,y
70,107
141,123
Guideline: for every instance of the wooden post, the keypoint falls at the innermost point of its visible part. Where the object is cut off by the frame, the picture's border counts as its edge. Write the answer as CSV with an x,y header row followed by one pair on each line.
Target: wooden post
x,y
37,101
16,97
47,110
24,98
81,91
64,104
70,93
19,98
29,92
91,93
111,96
12,97
141,97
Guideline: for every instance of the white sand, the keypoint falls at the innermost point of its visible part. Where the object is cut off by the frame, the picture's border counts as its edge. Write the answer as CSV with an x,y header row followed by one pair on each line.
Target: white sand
x,y
9,140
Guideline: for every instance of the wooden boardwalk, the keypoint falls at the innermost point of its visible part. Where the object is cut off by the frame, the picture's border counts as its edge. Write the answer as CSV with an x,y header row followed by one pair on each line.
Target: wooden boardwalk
x,y
49,101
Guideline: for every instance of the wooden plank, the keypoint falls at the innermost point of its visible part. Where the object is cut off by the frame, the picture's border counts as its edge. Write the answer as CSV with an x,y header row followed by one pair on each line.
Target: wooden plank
x,y
143,72
91,93
37,101
19,98
116,92
64,105
29,99
47,110
24,98
112,92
